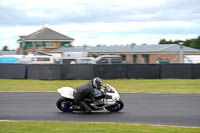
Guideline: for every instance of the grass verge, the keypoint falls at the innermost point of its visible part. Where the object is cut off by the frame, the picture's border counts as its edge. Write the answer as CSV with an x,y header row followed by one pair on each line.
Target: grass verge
x,y
191,86
85,127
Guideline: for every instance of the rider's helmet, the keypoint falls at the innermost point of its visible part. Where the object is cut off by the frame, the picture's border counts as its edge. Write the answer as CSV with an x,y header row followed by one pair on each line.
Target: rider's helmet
x,y
97,82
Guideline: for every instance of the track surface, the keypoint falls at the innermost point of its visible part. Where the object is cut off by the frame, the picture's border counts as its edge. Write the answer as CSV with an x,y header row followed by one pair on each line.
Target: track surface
x,y
163,109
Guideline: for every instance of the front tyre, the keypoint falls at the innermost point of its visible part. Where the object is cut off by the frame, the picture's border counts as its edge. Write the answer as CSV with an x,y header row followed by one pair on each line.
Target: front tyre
x,y
64,104
116,107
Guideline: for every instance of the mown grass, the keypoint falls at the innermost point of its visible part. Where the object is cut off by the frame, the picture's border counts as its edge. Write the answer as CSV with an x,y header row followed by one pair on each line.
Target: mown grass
x,y
85,127
191,86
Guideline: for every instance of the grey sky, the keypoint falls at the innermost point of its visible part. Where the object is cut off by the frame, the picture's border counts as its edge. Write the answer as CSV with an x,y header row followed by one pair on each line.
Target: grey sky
x,y
106,18
78,12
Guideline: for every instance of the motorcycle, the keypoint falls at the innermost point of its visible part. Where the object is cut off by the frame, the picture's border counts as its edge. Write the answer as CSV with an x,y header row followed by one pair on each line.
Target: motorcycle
x,y
108,99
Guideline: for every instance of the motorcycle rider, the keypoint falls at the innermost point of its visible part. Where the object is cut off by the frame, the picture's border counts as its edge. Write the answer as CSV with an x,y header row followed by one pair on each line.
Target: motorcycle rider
x,y
86,92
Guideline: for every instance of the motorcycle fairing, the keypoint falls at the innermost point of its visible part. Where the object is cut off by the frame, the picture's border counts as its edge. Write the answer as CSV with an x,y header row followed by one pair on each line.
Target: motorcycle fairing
x,y
66,92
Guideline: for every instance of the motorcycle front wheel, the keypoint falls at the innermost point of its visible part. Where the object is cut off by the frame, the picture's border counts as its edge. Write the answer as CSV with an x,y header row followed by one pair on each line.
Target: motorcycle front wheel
x,y
116,107
65,104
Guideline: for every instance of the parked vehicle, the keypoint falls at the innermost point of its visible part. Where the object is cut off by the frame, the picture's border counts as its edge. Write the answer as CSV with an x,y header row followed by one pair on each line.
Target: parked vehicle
x,y
11,58
108,59
85,60
39,60
74,55
57,58
108,99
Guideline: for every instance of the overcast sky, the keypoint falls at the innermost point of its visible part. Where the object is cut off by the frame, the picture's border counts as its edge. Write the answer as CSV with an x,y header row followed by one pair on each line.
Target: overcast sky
x,y
110,22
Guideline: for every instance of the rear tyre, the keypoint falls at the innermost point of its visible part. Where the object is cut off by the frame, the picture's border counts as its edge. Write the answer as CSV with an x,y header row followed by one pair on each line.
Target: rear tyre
x,y
65,104
116,107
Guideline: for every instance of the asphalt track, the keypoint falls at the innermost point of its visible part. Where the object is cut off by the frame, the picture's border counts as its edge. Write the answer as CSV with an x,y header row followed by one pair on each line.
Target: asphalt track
x,y
162,109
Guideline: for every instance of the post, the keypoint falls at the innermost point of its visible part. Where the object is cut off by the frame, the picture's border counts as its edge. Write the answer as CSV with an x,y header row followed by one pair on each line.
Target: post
x,y
181,53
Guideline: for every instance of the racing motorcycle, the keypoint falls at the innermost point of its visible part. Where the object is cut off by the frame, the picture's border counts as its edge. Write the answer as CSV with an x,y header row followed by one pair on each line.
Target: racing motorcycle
x,y
108,99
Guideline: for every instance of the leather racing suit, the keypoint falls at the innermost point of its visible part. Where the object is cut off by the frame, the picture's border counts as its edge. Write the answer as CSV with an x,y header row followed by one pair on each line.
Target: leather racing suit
x,y
83,92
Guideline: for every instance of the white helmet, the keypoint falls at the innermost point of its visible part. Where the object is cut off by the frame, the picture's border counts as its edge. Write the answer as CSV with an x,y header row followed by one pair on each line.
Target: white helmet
x,y
97,82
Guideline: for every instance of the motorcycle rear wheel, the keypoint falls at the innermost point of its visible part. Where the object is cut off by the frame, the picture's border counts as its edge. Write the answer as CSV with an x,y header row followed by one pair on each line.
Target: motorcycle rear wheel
x,y
116,107
65,104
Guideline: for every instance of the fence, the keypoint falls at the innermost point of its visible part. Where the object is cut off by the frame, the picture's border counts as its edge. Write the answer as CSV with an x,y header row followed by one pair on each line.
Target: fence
x,y
107,71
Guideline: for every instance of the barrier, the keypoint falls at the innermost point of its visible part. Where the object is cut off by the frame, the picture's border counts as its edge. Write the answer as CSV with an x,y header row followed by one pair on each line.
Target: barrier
x,y
77,71
143,71
111,71
196,71
12,71
105,71
180,71
44,71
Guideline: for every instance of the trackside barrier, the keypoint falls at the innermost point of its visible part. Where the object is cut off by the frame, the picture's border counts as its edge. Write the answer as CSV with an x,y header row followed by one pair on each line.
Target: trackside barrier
x,y
111,71
105,71
195,71
44,71
77,71
143,71
12,71
180,71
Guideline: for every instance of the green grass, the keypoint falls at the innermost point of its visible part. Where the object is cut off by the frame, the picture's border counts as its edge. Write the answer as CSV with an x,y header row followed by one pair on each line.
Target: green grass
x,y
191,86
85,127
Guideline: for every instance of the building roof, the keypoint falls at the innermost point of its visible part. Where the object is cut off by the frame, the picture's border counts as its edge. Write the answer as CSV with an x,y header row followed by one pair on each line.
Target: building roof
x,y
46,34
8,52
167,48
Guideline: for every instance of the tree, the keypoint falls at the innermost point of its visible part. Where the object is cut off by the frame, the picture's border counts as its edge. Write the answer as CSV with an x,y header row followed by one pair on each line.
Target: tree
x,y
163,41
5,48
178,41
193,43
196,43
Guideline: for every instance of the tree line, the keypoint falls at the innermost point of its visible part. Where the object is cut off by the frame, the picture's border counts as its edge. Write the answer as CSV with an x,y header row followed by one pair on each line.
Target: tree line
x,y
193,43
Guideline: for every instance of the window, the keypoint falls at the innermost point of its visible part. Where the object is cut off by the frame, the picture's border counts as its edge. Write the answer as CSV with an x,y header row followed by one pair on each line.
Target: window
x,y
103,61
24,46
146,58
32,59
50,44
29,44
116,60
43,59
163,61
123,57
134,58
65,44
40,44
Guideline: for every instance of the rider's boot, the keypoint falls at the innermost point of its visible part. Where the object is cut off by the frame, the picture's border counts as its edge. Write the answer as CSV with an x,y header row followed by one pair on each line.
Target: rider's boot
x,y
85,106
